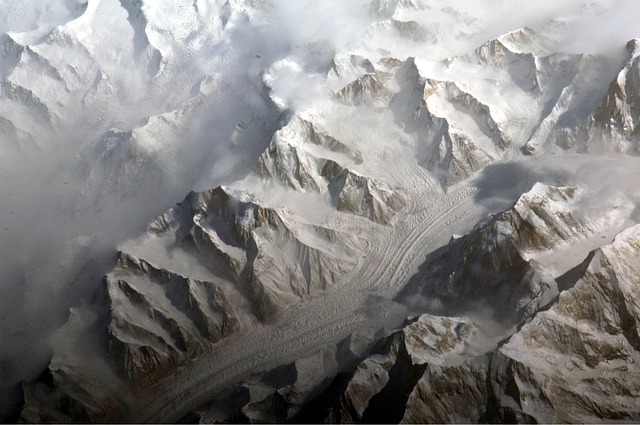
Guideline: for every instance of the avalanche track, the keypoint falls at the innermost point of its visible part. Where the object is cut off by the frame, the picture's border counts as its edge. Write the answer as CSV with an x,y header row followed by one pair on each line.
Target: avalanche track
x,y
324,319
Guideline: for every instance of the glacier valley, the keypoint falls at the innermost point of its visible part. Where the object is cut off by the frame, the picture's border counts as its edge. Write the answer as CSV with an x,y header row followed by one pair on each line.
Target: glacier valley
x,y
363,211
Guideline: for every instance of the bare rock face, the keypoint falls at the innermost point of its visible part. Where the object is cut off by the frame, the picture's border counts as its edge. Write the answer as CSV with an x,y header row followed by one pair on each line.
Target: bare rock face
x,y
356,194
577,361
288,164
545,217
394,365
561,80
457,157
459,129
415,31
233,263
450,147
562,91
611,124
239,232
294,157
367,90
160,319
303,131
227,260
25,99
381,386
456,134
11,51
520,66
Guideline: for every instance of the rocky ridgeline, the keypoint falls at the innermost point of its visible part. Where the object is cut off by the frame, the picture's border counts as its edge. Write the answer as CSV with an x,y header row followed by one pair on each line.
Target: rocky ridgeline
x,y
287,162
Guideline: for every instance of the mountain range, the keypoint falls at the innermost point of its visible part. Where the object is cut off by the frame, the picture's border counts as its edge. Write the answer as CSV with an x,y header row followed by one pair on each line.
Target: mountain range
x,y
371,211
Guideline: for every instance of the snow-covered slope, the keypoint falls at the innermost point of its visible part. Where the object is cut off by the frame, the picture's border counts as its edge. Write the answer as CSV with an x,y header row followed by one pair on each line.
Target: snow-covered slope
x,y
589,336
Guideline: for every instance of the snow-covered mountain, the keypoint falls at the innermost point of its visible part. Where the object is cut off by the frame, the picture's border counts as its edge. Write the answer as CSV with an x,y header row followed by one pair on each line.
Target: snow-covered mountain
x,y
574,362
358,205
501,264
